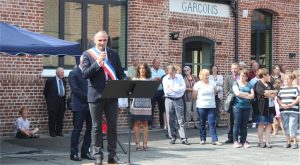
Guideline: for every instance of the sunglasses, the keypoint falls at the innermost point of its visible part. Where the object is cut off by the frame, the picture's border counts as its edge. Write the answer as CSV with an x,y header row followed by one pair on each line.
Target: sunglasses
x,y
102,40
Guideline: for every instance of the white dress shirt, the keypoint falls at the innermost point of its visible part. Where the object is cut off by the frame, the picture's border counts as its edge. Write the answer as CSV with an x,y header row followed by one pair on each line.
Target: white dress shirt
x,y
174,87
219,83
157,73
63,88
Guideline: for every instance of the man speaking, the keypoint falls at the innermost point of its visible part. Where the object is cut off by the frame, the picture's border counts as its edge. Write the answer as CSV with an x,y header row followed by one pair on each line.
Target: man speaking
x,y
100,65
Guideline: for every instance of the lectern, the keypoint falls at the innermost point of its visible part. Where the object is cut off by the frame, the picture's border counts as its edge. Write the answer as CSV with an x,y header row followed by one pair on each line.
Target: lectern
x,y
130,89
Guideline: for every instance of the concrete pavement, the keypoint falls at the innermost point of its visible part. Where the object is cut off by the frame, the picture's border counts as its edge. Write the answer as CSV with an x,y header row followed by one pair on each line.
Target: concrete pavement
x,y
55,151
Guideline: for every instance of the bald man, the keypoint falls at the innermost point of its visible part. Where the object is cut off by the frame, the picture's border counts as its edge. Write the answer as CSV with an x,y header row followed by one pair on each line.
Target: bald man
x,y
55,95
100,65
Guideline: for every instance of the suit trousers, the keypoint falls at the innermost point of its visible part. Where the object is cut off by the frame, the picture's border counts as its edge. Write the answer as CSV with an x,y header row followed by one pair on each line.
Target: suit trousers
x,y
158,97
78,119
175,111
230,124
110,109
56,117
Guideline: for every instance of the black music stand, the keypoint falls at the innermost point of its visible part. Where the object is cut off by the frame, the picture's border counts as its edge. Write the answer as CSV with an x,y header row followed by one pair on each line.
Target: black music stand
x,y
130,89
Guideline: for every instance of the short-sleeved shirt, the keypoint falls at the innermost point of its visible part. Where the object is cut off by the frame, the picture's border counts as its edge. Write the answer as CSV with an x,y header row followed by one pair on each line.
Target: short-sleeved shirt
x,y
206,95
239,101
287,96
158,73
21,124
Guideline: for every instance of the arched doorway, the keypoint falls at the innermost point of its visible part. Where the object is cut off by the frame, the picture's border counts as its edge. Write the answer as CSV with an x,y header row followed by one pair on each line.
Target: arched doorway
x,y
261,38
198,53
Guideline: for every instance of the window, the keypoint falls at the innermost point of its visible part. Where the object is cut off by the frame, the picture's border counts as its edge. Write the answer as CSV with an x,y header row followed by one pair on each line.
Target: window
x,y
51,20
261,38
79,20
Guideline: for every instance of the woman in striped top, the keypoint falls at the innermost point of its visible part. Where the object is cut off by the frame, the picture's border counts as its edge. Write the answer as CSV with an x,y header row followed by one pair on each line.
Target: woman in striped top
x,y
190,103
288,95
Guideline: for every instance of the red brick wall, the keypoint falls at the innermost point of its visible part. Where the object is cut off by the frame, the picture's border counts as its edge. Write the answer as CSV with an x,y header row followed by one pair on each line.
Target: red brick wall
x,y
150,22
149,25
285,30
21,83
24,13
148,33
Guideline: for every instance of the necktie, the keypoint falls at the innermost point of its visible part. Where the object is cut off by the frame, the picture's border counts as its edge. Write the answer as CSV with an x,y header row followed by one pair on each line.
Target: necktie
x,y
60,87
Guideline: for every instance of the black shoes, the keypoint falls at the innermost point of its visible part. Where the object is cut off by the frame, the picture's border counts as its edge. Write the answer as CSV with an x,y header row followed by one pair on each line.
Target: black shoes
x,y
75,157
98,161
228,141
172,141
87,156
287,145
52,135
59,134
113,160
185,142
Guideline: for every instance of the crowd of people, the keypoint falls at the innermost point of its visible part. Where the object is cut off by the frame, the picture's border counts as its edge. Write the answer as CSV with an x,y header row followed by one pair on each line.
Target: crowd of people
x,y
268,100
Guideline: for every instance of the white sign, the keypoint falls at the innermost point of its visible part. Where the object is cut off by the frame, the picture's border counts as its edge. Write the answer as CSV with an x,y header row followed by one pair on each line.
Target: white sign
x,y
200,8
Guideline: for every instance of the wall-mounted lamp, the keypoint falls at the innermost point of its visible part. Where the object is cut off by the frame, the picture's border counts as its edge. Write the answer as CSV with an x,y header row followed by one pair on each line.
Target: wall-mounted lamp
x,y
174,35
292,55
219,43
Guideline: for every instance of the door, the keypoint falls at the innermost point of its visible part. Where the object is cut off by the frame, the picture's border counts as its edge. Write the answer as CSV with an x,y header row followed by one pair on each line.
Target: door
x,y
198,53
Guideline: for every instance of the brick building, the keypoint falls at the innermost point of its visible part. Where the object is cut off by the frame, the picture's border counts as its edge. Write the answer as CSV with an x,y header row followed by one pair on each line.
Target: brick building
x,y
267,31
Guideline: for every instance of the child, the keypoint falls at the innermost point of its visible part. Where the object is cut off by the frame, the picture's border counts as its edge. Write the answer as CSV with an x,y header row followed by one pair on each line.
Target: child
x,y
277,120
22,126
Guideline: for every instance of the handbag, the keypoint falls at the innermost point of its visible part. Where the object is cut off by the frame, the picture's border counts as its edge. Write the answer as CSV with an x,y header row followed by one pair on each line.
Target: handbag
x,y
228,102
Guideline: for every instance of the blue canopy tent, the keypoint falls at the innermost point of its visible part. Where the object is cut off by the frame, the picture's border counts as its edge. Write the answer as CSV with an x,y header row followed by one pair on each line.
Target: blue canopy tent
x,y
15,40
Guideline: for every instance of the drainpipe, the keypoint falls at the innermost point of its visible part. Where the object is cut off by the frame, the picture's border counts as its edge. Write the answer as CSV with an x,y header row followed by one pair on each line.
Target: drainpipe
x,y
234,8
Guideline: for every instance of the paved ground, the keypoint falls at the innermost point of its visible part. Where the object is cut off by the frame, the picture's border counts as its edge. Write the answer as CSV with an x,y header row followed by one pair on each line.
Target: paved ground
x,y
55,151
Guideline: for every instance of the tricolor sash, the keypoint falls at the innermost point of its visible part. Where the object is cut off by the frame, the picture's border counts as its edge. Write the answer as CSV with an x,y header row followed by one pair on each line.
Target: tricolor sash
x,y
107,67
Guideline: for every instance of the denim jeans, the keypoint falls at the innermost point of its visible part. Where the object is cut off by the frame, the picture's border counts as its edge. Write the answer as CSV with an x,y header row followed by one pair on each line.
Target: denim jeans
x,y
240,117
290,123
210,115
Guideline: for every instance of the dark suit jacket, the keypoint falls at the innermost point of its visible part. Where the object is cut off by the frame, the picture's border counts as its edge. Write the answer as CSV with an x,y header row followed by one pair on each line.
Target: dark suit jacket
x,y
96,74
51,93
228,83
79,90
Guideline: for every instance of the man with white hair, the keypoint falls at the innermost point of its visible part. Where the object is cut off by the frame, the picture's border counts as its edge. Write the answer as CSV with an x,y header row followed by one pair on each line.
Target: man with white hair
x,y
174,88
55,95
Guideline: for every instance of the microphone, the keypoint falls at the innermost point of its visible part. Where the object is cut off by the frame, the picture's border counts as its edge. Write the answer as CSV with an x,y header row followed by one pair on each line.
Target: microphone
x,y
106,58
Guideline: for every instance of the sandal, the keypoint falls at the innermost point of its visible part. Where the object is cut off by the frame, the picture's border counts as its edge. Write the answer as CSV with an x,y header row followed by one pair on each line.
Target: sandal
x,y
145,147
262,145
138,147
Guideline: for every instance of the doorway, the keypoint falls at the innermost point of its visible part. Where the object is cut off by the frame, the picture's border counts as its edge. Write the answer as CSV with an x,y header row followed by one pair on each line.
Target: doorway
x,y
198,53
